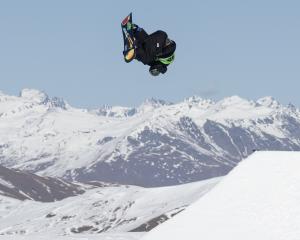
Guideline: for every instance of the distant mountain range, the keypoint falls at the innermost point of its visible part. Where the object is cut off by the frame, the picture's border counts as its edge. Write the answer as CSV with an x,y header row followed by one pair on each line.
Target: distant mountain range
x,y
155,144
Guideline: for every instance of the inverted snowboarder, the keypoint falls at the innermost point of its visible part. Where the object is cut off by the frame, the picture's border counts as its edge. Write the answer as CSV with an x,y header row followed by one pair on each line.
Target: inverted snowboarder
x,y
155,50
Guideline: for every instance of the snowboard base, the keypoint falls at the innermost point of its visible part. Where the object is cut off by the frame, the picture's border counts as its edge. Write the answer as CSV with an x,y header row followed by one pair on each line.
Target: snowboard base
x,y
129,41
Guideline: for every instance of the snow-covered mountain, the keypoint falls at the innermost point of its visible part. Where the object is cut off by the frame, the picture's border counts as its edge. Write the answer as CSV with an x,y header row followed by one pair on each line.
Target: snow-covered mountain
x,y
99,209
20,185
156,144
259,199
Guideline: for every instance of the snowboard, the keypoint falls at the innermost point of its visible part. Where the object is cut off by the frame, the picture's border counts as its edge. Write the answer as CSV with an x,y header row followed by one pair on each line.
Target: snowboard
x,y
129,41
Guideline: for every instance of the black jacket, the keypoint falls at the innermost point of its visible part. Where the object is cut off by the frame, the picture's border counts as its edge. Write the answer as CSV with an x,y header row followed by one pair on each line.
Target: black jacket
x,y
150,47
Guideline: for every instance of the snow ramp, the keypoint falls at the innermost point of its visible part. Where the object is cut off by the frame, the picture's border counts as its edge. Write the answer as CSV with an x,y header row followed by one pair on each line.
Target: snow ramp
x,y
259,199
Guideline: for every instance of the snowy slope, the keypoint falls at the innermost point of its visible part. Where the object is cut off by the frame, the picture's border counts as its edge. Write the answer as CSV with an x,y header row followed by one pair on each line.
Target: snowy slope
x,y
156,144
21,185
259,199
108,236
114,236
110,210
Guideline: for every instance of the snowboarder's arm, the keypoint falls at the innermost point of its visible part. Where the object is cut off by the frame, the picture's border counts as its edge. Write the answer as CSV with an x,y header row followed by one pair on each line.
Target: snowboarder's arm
x,y
139,34
143,56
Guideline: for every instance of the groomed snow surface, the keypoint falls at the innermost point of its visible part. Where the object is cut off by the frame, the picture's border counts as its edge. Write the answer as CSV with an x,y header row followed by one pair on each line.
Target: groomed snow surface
x,y
258,200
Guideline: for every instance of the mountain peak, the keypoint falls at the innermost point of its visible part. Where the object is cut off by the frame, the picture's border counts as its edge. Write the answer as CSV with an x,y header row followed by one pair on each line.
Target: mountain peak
x,y
199,101
155,102
34,95
152,103
235,101
40,97
194,99
114,111
268,102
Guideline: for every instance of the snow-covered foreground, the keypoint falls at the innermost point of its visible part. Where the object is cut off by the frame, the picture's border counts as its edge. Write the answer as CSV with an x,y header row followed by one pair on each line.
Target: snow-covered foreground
x,y
112,236
99,212
259,199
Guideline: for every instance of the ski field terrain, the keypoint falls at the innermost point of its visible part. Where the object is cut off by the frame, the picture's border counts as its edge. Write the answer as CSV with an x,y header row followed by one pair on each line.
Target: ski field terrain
x,y
155,144
97,209
259,199
112,236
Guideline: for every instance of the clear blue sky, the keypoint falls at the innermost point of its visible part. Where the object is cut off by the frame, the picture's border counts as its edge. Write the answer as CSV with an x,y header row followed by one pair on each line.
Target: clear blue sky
x,y
73,49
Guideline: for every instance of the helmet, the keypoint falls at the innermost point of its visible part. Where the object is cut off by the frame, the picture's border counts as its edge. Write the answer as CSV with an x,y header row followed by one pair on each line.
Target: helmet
x,y
157,69
154,72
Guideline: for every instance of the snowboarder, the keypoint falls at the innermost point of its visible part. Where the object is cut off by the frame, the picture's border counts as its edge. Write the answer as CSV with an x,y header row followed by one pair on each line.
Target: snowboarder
x,y
155,50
